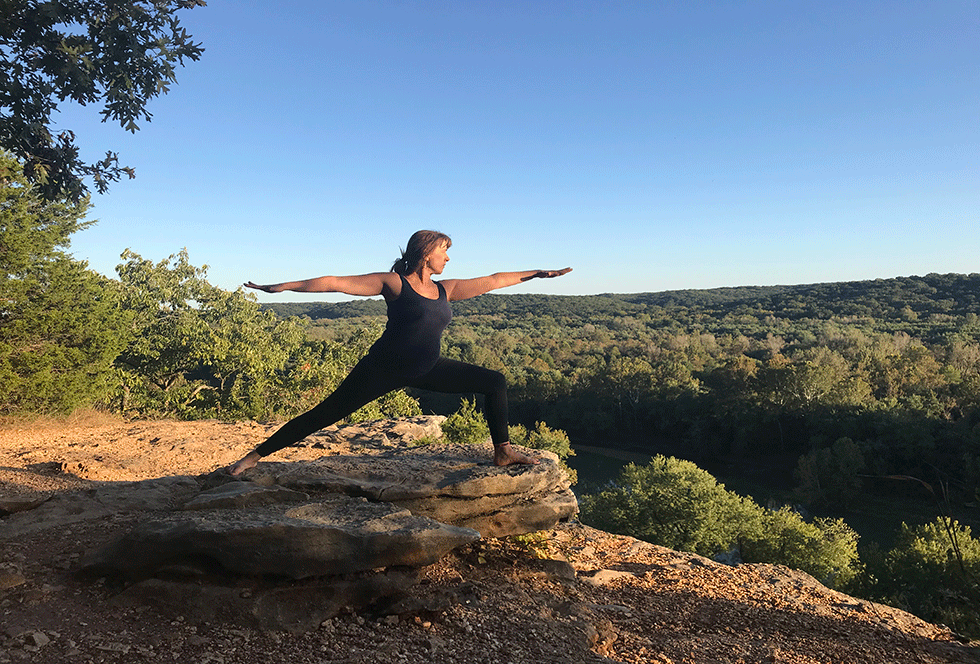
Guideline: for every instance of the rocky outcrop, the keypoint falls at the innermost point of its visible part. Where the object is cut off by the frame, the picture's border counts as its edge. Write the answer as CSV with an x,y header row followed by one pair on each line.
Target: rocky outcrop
x,y
342,525
342,514
377,435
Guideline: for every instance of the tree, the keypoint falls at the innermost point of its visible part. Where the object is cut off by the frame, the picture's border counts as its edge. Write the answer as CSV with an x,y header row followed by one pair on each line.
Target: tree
x,y
197,350
200,351
627,383
673,503
934,572
120,53
824,548
61,325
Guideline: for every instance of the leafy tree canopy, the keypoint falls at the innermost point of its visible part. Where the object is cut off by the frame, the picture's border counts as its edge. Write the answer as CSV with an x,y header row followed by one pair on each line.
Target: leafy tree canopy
x,y
118,53
60,324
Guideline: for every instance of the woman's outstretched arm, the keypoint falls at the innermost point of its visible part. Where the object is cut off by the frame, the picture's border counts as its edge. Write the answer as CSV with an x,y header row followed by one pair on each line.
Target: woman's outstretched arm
x,y
463,289
362,284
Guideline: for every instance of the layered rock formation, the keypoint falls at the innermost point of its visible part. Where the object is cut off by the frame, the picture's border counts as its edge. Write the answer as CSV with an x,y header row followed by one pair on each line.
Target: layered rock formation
x,y
348,528
454,484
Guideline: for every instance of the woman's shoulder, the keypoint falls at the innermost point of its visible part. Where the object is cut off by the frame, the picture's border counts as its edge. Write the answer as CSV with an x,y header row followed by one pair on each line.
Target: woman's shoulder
x,y
392,285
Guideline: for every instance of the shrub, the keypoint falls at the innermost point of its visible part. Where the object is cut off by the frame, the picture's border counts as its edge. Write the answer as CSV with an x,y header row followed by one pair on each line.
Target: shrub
x,y
674,503
542,437
932,571
824,548
466,426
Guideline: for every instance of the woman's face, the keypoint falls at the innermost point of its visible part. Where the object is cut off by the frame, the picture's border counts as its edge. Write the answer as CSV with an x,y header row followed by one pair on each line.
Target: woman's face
x,y
437,259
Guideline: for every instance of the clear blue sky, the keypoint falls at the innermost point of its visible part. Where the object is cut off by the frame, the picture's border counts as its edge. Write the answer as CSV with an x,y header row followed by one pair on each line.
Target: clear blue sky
x,y
651,146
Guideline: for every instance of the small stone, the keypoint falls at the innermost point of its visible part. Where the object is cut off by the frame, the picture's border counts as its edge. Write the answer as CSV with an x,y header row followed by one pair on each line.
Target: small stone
x,y
39,639
606,576
11,580
433,643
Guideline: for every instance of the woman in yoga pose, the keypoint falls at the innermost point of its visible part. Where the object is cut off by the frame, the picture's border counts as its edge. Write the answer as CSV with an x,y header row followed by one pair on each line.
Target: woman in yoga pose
x,y
407,354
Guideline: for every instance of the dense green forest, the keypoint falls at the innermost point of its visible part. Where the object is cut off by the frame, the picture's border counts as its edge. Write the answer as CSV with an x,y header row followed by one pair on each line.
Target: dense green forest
x,y
821,404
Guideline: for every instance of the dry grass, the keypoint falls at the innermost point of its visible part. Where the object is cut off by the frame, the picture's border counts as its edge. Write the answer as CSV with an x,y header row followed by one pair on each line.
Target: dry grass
x,y
83,417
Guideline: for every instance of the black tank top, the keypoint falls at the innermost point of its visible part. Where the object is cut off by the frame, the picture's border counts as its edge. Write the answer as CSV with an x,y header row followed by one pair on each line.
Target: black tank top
x,y
411,341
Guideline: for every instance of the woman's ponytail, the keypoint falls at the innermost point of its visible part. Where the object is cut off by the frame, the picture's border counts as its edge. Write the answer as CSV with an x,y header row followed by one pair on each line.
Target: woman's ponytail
x,y
400,266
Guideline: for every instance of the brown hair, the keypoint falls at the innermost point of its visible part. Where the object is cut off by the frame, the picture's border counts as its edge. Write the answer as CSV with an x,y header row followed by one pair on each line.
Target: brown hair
x,y
420,245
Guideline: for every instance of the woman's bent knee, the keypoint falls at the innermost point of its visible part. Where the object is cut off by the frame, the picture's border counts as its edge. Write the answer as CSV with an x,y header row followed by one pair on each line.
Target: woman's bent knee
x,y
497,382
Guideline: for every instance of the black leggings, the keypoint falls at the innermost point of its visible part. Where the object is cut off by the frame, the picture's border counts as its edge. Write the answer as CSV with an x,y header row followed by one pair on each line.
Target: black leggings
x,y
369,380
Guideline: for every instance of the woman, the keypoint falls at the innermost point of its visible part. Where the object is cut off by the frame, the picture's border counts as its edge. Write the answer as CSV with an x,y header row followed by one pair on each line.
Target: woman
x,y
407,354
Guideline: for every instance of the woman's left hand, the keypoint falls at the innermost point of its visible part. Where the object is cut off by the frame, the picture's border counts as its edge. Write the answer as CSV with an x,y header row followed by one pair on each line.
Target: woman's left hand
x,y
547,274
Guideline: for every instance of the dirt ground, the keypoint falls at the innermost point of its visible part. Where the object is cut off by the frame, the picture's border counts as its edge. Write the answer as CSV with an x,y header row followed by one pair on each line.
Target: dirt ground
x,y
495,601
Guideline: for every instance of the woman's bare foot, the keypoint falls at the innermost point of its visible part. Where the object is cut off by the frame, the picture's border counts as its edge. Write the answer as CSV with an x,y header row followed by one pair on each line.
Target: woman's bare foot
x,y
248,461
505,455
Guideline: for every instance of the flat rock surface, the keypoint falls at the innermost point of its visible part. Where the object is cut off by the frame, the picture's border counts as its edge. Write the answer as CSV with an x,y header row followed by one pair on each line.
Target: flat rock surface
x,y
243,495
451,471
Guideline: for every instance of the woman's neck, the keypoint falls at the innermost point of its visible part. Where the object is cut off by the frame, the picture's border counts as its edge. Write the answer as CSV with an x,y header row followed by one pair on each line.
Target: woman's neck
x,y
423,276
